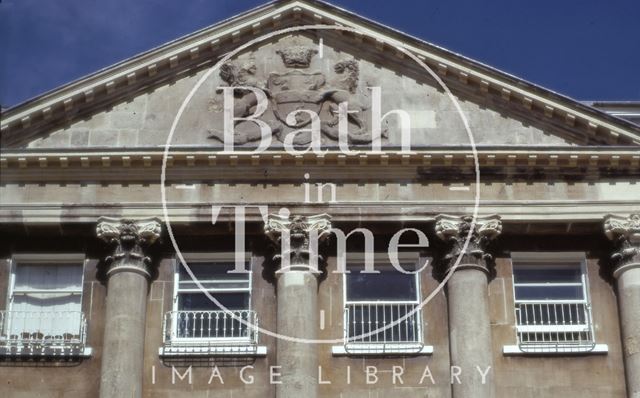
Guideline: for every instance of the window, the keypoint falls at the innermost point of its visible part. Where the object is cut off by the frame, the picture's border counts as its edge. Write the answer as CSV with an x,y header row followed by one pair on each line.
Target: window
x,y
552,306
44,308
381,312
196,319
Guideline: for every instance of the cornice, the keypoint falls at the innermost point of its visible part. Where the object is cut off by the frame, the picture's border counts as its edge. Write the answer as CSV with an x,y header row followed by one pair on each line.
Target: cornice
x,y
80,98
197,164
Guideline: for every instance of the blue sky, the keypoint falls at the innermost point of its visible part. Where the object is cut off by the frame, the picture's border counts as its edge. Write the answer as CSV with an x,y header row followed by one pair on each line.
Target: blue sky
x,y
588,49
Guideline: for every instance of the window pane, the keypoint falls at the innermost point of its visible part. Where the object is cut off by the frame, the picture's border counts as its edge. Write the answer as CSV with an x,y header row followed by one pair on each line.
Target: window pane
x,y
200,302
46,302
212,271
214,285
48,277
40,309
524,274
550,292
388,285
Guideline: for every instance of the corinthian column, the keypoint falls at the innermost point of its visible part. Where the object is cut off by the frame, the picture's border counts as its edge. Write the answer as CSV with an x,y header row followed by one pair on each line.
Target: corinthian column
x,y
297,240
468,301
625,234
127,278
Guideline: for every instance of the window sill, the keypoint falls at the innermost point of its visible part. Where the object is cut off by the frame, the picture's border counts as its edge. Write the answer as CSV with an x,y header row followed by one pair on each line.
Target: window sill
x,y
183,350
515,350
381,350
49,353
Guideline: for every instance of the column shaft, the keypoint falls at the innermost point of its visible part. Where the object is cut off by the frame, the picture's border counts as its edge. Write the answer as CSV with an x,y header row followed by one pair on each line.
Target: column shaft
x,y
629,304
624,232
296,239
297,317
123,347
470,333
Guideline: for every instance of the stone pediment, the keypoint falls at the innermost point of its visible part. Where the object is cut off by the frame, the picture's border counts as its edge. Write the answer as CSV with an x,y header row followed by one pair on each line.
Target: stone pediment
x,y
134,103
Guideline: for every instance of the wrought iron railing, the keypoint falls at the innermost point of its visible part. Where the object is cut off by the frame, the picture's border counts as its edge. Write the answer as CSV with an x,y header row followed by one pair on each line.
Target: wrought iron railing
x,y
383,327
548,326
42,333
207,332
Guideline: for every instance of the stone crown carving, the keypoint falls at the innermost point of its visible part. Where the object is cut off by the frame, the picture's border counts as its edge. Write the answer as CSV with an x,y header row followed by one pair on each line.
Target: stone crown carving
x,y
299,230
297,56
624,232
455,231
129,239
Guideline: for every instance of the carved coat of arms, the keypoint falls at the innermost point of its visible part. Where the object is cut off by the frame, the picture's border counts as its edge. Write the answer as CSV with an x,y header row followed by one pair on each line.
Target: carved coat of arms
x,y
296,89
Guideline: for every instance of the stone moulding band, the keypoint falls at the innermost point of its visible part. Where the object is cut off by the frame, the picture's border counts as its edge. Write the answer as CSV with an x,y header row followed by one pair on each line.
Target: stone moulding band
x,y
125,268
620,270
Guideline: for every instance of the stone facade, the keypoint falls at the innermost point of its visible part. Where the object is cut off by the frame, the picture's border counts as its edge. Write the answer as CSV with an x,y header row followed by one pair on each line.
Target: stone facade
x,y
84,171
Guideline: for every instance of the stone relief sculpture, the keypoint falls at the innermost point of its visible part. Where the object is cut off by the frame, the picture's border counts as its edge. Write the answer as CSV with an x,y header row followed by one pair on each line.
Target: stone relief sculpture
x,y
297,56
296,88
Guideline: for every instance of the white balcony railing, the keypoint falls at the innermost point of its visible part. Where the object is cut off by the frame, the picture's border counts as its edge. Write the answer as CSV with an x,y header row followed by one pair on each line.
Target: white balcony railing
x,y
43,333
210,332
382,327
554,326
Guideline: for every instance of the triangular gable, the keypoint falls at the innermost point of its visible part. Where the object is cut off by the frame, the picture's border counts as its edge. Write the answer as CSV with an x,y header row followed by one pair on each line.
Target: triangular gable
x,y
572,121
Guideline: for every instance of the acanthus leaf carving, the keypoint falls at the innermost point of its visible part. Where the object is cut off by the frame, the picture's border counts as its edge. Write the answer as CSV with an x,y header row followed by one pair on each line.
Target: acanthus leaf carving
x,y
129,239
300,231
467,239
624,232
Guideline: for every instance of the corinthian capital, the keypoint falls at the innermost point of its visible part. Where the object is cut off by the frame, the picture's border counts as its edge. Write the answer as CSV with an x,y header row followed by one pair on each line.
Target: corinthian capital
x,y
297,238
624,232
467,241
129,240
